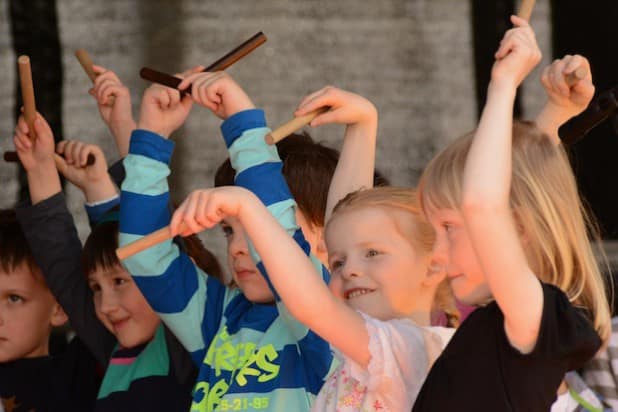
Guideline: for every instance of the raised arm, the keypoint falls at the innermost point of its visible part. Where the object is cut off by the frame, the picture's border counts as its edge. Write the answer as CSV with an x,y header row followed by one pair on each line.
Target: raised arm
x,y
356,164
304,294
51,234
569,88
114,103
173,285
486,187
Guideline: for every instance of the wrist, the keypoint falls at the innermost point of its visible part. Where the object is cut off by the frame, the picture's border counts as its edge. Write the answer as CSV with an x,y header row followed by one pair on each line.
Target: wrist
x,y
42,167
96,191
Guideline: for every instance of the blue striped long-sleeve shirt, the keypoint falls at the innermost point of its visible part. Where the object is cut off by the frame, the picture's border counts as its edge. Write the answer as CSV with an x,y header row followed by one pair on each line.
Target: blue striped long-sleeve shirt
x,y
252,357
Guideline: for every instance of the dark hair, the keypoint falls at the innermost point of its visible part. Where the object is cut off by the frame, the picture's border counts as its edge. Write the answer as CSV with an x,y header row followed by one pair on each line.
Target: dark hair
x,y
14,248
100,251
308,168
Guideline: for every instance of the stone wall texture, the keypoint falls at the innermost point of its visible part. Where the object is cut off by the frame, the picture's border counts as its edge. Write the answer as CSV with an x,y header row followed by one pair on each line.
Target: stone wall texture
x,y
412,58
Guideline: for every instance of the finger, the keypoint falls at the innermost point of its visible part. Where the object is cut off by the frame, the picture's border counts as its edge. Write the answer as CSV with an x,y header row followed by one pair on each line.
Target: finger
x,y
62,166
22,125
98,69
22,142
325,118
312,97
43,126
84,151
176,219
42,130
212,212
188,216
326,99
68,151
518,21
60,147
162,97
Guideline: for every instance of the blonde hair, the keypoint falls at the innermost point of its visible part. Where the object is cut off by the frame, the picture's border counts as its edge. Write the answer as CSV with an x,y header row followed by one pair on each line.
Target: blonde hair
x,y
546,204
421,237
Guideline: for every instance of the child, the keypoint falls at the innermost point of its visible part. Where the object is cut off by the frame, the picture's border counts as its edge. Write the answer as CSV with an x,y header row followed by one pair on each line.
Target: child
x,y
278,363
148,369
383,289
31,379
511,233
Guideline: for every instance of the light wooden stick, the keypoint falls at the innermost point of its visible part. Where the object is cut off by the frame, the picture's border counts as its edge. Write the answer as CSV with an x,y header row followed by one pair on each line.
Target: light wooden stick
x,y
576,76
147,241
525,10
27,93
86,62
293,125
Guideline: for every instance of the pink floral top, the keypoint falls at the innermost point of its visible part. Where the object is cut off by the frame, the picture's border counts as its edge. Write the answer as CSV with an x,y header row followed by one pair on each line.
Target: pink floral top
x,y
401,355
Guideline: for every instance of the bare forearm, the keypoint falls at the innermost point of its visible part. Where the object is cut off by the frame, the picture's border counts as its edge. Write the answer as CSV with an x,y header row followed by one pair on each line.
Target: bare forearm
x,y
43,181
549,120
356,163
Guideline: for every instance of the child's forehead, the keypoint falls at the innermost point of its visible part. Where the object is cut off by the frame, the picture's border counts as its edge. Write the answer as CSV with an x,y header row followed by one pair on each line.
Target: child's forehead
x,y
21,277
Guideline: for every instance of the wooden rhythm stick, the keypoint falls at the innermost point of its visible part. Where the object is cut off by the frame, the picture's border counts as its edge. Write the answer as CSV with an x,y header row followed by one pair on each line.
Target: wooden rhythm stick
x,y
223,63
84,59
27,94
293,125
525,10
147,241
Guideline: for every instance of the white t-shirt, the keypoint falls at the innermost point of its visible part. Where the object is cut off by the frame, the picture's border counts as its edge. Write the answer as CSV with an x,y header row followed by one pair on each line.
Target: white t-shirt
x,y
401,355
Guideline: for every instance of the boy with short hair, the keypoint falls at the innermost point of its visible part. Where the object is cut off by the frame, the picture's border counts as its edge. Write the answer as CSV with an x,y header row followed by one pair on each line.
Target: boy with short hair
x,y
30,378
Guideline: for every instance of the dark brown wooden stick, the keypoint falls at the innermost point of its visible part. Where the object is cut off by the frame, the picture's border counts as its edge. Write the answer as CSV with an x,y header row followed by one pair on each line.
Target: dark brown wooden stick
x,y
223,63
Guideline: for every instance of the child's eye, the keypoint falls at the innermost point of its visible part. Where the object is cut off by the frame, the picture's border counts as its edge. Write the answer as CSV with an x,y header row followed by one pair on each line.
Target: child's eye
x,y
227,230
95,287
372,253
336,264
15,298
120,281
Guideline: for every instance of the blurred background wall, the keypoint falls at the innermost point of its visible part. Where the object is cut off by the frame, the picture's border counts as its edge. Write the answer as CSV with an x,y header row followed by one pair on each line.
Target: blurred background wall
x,y
424,64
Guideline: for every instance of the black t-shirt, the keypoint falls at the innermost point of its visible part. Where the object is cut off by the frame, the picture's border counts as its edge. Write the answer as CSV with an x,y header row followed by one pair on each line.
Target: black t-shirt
x,y
66,382
479,370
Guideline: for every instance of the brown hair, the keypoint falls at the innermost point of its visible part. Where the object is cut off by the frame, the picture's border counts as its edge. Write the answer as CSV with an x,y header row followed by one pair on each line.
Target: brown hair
x,y
546,203
308,168
100,251
422,238
14,248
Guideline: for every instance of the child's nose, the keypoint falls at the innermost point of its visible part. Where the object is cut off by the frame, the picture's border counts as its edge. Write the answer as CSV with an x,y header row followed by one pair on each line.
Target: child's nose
x,y
238,246
109,302
440,253
350,270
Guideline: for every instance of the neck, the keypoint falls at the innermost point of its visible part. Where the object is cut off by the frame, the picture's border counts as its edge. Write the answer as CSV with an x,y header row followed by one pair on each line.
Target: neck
x,y
421,317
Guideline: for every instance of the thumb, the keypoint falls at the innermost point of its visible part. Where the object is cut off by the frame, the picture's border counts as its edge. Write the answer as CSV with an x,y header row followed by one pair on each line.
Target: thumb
x,y
61,164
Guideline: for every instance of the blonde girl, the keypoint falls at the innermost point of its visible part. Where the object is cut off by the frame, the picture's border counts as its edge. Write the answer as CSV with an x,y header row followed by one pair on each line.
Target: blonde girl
x,y
511,232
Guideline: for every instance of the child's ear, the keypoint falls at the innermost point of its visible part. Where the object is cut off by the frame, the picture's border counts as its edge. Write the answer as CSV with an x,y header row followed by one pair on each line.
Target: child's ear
x,y
59,317
435,274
